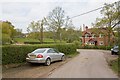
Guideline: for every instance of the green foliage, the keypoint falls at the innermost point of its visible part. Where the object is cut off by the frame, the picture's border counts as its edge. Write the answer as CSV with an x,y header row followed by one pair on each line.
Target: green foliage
x,y
34,35
17,54
77,43
114,65
67,49
35,41
95,47
70,35
6,39
35,29
110,19
8,32
22,40
38,42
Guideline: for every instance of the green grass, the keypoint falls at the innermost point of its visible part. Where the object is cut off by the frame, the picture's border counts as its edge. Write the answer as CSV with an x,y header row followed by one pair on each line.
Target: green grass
x,y
22,40
114,65
72,55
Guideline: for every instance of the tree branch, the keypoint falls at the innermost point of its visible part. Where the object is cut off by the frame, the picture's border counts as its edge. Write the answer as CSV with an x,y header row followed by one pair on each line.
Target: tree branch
x,y
115,24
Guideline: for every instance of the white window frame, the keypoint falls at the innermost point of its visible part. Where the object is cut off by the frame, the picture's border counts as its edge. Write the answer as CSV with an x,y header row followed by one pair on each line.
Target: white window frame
x,y
101,35
101,43
86,35
93,35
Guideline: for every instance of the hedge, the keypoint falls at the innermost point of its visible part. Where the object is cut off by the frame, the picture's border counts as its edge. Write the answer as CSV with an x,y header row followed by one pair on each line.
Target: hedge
x,y
17,54
38,42
96,47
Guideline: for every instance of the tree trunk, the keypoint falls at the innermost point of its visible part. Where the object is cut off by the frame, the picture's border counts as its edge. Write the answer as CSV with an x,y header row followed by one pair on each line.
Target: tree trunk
x,y
59,33
109,38
54,37
119,51
41,34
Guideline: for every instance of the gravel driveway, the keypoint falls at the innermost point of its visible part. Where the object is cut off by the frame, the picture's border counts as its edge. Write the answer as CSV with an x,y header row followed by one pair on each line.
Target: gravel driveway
x,y
88,64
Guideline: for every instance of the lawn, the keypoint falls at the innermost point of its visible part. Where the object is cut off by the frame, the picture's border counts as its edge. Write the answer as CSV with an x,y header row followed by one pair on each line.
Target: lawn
x,y
22,40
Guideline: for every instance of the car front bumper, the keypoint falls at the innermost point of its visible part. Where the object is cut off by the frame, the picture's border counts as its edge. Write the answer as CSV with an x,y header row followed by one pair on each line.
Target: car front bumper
x,y
35,60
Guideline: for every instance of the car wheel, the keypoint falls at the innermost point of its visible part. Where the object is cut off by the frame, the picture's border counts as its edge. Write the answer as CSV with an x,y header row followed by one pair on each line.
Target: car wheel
x,y
47,62
112,53
62,58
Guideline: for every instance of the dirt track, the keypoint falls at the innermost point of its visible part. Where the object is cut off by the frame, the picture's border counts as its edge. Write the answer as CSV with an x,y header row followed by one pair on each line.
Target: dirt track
x,y
32,70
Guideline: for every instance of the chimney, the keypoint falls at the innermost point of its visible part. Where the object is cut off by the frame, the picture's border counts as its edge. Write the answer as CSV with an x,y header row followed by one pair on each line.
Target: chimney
x,y
83,27
86,28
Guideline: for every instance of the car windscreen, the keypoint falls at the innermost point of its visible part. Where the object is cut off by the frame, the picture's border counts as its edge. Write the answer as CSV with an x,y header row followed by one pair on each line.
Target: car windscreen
x,y
39,51
116,47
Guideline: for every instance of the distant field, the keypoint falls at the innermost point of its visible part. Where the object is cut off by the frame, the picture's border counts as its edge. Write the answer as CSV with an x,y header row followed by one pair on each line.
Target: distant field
x,y
22,40
25,40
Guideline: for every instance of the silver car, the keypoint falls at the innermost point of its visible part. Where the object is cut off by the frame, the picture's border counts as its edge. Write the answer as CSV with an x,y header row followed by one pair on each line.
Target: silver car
x,y
45,55
115,50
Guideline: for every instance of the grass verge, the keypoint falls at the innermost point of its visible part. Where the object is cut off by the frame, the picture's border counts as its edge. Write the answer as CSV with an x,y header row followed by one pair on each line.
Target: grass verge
x,y
72,55
114,65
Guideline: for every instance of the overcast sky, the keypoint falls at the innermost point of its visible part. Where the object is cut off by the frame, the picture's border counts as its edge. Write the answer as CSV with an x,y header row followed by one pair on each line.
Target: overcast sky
x,y
21,12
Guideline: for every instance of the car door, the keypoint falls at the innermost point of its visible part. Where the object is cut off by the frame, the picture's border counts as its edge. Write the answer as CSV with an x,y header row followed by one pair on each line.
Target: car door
x,y
58,56
51,53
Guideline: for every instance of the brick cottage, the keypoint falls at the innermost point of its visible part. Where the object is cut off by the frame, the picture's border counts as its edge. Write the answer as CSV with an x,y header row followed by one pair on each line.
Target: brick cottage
x,y
96,36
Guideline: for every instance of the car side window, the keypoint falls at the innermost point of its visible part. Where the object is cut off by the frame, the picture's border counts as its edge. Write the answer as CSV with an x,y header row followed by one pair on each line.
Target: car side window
x,y
56,50
51,51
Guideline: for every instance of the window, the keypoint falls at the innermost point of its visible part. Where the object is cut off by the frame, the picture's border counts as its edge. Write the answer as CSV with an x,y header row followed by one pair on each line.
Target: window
x,y
101,43
39,51
51,51
93,36
101,35
86,35
91,43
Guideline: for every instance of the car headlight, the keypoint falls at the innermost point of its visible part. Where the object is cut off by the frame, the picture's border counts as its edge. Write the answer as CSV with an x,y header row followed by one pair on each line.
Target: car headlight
x,y
111,49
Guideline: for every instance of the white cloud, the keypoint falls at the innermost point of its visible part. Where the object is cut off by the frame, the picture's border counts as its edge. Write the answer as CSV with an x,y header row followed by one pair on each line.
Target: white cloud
x,y
22,12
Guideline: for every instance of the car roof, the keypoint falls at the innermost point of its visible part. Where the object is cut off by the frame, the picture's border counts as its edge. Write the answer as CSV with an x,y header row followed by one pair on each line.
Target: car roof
x,y
46,48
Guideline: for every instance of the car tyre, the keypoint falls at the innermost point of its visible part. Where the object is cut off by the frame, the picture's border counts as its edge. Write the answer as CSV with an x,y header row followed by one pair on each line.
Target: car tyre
x,y
112,53
47,62
63,58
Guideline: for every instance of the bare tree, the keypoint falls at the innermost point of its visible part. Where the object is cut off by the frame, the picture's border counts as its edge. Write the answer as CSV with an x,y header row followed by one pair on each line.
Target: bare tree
x,y
55,21
37,27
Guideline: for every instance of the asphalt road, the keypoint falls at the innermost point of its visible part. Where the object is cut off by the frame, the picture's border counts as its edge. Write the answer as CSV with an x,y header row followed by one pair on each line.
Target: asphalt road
x,y
88,64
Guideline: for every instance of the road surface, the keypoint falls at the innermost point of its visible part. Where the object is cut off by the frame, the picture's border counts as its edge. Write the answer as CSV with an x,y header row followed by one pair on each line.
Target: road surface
x,y
88,64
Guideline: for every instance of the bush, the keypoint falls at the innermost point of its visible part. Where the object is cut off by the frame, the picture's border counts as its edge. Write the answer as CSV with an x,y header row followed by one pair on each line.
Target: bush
x,y
95,47
77,43
38,43
5,39
17,54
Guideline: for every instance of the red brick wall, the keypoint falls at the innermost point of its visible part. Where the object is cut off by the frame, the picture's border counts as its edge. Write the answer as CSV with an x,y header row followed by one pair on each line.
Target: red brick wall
x,y
98,39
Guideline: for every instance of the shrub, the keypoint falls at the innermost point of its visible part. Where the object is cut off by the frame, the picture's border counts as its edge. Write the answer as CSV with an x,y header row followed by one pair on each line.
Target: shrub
x,y
38,42
77,43
17,54
5,39
95,47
